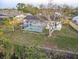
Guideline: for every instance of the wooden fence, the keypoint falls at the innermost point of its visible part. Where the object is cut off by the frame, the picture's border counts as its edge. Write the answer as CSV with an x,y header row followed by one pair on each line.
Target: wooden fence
x,y
73,25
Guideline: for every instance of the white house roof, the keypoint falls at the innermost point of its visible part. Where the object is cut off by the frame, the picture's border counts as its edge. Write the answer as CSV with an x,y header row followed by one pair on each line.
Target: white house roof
x,y
31,17
20,16
57,13
28,14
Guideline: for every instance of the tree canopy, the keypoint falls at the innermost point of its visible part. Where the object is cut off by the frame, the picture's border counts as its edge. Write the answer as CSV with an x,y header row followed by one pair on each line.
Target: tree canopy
x,y
26,8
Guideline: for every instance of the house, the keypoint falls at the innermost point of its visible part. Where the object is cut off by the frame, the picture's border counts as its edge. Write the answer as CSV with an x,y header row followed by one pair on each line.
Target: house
x,y
32,23
10,12
19,18
2,18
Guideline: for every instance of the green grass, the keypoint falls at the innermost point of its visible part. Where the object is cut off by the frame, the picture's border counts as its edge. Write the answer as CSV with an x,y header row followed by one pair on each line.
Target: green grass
x,y
65,39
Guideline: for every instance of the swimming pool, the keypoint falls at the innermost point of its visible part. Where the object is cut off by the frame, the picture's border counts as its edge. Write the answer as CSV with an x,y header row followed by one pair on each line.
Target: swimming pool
x,y
33,27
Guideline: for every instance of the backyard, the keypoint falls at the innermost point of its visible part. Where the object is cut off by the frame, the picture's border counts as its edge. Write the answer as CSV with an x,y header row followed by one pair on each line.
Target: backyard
x,y
38,29
66,39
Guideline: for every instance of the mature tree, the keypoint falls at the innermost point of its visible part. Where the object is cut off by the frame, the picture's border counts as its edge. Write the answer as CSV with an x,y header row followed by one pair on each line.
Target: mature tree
x,y
69,11
27,8
20,6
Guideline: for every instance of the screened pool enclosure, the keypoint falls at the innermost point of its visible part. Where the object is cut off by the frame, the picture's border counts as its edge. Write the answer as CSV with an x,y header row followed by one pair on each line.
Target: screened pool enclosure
x,y
32,23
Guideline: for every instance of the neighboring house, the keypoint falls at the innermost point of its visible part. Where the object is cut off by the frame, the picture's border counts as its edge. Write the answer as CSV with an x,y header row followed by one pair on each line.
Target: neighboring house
x,y
19,18
2,17
75,20
32,23
10,12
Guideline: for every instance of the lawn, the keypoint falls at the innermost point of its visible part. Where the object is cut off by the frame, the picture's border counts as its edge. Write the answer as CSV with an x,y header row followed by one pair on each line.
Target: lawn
x,y
66,39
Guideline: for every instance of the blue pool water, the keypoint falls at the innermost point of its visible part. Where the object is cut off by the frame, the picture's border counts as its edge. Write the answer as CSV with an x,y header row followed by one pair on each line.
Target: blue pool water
x,y
34,28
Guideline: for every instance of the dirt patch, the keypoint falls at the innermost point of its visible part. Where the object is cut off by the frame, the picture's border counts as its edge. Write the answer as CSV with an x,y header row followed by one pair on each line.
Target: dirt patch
x,y
48,44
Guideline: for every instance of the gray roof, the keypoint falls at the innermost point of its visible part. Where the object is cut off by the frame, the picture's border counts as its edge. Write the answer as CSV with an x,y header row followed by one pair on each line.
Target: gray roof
x,y
3,16
31,17
43,18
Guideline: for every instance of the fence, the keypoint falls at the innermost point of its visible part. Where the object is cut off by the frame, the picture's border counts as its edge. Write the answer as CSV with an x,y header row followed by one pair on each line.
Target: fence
x,y
73,25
